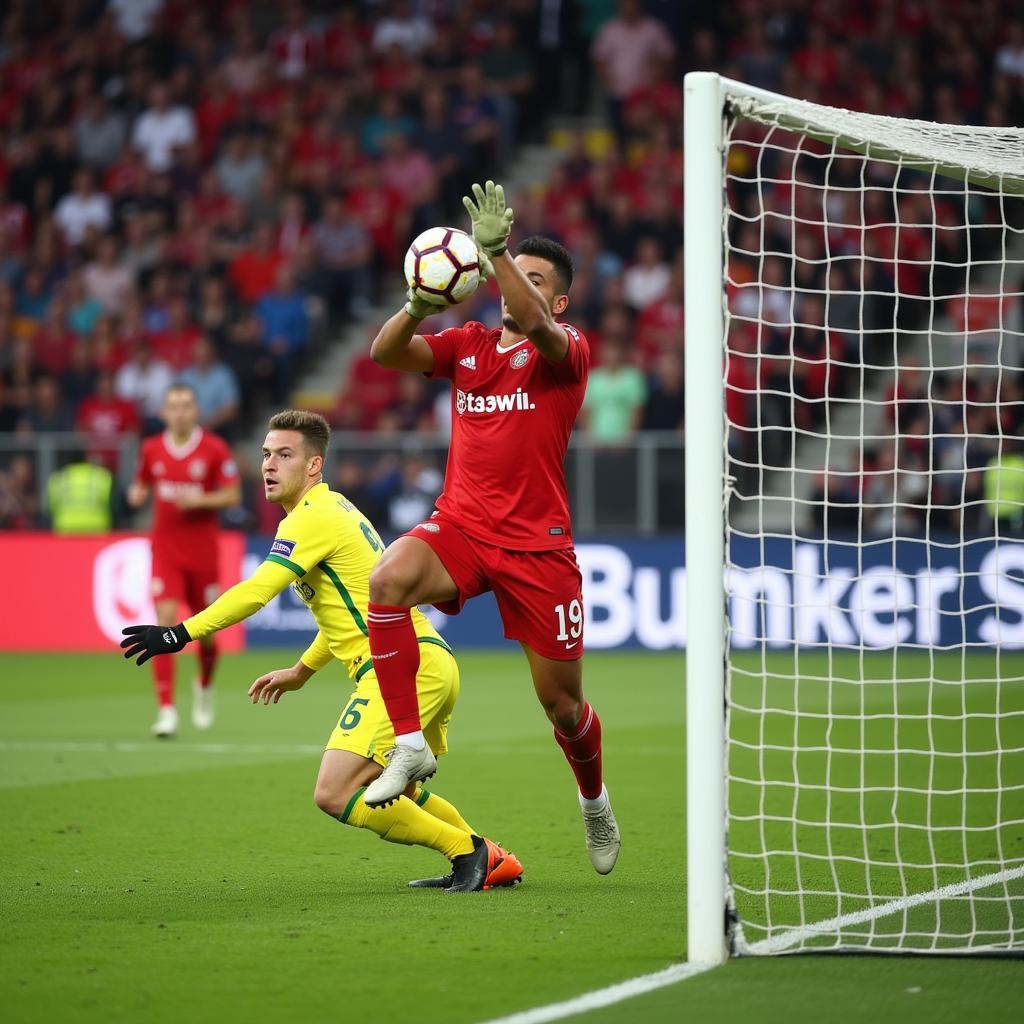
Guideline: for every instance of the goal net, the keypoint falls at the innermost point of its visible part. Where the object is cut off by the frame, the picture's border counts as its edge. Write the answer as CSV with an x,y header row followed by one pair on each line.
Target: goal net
x,y
868,349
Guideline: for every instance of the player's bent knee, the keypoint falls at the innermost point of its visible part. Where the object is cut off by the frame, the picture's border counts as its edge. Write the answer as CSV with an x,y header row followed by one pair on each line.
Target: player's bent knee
x,y
564,712
332,799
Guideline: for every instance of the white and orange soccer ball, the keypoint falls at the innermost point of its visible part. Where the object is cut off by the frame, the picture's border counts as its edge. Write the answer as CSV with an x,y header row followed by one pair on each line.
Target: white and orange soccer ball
x,y
442,266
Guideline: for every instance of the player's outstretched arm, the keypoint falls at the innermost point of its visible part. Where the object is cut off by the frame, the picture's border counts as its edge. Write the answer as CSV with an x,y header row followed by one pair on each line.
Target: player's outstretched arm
x,y
234,605
398,346
530,309
492,224
241,600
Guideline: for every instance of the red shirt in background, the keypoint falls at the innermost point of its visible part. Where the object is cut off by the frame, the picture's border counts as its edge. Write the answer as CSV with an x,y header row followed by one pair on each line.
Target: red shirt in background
x,y
253,273
311,147
176,348
212,114
51,349
105,419
344,43
378,207
201,465
211,207
659,327
371,390
15,224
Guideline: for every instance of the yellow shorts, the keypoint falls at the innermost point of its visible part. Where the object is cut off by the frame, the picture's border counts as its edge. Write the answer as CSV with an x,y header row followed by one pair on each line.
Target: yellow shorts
x,y
364,727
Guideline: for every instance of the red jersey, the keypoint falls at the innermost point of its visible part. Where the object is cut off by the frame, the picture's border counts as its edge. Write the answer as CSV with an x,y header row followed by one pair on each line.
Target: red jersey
x,y
106,419
176,348
202,464
512,414
253,273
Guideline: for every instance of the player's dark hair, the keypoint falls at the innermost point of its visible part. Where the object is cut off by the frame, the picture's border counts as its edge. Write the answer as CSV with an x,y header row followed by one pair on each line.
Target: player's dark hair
x,y
555,253
311,425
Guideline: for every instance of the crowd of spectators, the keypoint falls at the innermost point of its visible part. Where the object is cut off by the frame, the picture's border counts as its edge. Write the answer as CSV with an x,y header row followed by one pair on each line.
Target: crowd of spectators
x,y
954,466
843,274
188,189
192,190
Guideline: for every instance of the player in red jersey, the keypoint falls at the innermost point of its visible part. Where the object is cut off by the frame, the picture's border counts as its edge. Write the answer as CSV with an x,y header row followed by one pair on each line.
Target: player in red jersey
x,y
502,522
192,477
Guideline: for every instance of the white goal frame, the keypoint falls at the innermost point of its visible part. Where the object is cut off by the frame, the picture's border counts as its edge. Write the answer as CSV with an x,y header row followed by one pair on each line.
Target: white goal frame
x,y
707,96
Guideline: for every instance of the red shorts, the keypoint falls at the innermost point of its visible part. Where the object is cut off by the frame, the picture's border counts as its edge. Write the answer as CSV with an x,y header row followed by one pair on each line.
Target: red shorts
x,y
171,581
539,593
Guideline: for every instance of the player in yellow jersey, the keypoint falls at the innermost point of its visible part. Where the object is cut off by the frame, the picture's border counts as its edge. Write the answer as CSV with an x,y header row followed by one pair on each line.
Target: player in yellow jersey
x,y
325,550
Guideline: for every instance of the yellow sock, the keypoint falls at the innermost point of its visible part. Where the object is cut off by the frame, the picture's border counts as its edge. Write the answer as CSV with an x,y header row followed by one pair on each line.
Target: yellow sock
x,y
404,822
441,808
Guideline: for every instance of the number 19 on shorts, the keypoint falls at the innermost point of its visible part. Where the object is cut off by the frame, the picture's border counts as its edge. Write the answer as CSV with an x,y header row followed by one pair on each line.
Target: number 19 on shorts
x,y
573,619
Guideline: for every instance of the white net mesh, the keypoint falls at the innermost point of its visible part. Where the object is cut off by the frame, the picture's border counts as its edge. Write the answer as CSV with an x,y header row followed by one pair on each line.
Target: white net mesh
x,y
875,532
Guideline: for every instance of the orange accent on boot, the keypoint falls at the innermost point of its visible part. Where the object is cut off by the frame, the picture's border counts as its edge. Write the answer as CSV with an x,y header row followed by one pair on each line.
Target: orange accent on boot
x,y
503,868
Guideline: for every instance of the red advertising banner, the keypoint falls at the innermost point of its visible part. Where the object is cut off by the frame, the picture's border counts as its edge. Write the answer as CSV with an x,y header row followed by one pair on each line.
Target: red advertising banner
x,y
76,593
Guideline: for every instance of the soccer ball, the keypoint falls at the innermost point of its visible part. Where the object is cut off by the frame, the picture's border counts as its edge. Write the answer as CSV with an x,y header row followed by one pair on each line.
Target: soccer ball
x,y
442,266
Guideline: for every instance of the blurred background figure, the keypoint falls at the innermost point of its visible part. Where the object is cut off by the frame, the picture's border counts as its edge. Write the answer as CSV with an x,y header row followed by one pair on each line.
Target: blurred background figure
x,y
81,497
215,388
1004,488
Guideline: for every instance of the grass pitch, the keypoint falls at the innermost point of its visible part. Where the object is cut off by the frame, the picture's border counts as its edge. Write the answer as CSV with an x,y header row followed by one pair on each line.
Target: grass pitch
x,y
852,782
195,879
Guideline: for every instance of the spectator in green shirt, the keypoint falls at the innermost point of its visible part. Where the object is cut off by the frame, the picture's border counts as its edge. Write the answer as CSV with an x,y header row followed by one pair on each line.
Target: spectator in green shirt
x,y
615,397
1004,487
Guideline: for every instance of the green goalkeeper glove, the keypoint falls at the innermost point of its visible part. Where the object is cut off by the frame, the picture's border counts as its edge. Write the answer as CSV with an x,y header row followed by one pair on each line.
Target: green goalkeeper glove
x,y
486,266
490,217
418,308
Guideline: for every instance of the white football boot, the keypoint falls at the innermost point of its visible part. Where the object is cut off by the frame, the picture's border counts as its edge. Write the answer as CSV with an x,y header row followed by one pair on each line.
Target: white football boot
x,y
166,724
405,765
603,840
202,706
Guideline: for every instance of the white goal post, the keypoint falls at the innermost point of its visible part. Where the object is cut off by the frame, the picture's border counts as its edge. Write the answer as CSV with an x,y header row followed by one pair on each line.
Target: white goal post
x,y
854,529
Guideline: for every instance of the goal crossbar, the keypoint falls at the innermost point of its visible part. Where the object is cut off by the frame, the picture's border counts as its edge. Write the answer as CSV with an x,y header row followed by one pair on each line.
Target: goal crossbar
x,y
955,151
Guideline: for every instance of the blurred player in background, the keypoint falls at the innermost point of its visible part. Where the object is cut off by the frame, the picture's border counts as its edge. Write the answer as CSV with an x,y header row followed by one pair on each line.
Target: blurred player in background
x,y
192,477
325,550
502,522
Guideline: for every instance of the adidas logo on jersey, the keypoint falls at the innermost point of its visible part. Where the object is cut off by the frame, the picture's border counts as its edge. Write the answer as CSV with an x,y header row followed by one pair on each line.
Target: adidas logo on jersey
x,y
466,401
469,362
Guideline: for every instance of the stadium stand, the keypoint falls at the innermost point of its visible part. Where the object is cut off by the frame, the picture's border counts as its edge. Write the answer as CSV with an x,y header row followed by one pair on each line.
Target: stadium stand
x,y
209,190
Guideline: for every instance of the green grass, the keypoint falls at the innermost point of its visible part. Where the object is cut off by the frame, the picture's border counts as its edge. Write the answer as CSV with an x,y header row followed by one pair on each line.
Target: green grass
x,y
174,881
875,775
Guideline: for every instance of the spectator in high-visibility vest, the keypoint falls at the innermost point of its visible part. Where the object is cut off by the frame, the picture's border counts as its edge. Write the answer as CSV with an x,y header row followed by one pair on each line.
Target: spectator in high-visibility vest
x,y
1004,487
81,498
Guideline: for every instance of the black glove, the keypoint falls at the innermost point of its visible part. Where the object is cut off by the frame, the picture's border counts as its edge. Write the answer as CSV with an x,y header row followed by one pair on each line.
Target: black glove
x,y
148,641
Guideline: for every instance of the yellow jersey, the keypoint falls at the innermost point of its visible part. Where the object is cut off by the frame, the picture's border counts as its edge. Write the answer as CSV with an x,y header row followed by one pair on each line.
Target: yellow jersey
x,y
325,550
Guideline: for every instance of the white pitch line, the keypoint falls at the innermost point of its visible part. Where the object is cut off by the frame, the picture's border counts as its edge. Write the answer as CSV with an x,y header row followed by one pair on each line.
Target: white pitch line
x,y
143,747
85,747
602,997
777,943
598,998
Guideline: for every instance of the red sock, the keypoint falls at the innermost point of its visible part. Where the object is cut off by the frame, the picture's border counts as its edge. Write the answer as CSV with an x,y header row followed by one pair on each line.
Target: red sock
x,y
163,676
583,752
207,660
396,660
